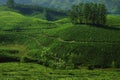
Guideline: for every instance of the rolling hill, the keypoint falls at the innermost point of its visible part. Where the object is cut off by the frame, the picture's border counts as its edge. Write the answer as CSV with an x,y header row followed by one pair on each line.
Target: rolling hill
x,y
37,49
24,41
59,37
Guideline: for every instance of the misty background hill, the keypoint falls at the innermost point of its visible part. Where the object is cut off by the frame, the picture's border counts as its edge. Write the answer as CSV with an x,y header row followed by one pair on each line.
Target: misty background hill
x,y
113,6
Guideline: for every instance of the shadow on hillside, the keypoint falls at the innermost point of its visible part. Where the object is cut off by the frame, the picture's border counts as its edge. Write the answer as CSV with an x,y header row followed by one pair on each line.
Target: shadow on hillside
x,y
8,59
106,27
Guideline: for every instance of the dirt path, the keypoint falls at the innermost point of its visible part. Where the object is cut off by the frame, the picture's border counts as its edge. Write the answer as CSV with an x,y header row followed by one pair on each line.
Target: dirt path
x,y
73,41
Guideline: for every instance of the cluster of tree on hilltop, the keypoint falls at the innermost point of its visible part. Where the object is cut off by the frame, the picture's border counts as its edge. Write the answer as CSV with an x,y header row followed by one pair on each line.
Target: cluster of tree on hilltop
x,y
88,13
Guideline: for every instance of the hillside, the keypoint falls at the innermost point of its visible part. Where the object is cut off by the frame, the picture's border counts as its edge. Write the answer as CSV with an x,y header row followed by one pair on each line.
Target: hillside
x,y
112,5
36,11
32,48
37,36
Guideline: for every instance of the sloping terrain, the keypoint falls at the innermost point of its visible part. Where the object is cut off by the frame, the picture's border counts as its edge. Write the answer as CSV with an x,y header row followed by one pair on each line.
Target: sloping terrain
x,y
60,37
59,45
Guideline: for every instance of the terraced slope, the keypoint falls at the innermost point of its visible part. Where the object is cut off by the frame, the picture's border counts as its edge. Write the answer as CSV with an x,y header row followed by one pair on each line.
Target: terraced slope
x,y
61,37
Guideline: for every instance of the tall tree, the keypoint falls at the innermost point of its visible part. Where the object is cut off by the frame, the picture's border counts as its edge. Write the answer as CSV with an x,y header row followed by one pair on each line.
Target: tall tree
x,y
103,14
80,16
88,13
73,15
10,3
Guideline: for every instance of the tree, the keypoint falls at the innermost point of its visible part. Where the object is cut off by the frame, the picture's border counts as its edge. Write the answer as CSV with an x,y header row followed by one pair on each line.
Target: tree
x,y
10,3
103,15
73,15
80,16
88,13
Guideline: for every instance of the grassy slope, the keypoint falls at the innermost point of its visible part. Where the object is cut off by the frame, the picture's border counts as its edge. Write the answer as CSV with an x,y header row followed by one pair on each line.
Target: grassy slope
x,y
73,38
31,71
114,20
85,40
12,33
23,71
13,19
87,33
26,35
58,33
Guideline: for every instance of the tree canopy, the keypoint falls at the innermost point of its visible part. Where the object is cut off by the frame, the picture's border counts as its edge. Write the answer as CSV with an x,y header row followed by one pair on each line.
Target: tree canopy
x,y
88,13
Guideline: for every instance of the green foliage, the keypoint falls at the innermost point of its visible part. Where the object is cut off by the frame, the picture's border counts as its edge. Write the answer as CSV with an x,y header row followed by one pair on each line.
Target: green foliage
x,y
59,44
83,41
113,21
88,13
24,71
21,71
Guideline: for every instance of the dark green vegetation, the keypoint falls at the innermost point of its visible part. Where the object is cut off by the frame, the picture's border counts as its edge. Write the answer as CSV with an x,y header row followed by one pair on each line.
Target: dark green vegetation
x,y
35,11
88,13
40,12
67,49
31,71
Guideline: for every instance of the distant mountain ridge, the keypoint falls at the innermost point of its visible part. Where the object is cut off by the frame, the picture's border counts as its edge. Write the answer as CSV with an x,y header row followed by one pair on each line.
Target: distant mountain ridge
x,y
113,6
